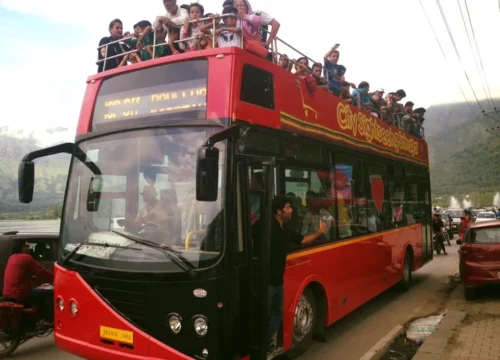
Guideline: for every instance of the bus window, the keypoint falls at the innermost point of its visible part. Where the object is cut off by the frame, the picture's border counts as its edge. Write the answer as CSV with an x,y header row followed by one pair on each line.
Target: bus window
x,y
308,191
411,200
257,87
377,207
349,194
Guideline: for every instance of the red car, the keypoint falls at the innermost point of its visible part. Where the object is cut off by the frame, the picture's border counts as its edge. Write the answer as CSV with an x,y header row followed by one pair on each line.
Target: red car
x,y
480,256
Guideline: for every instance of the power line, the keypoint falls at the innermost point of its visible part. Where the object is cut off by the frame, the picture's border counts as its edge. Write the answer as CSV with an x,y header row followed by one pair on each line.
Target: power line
x,y
473,54
477,49
456,51
444,54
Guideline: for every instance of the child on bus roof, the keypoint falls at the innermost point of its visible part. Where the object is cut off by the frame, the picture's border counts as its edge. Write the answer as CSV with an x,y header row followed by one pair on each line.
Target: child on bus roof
x,y
205,41
332,69
145,41
173,46
191,28
230,34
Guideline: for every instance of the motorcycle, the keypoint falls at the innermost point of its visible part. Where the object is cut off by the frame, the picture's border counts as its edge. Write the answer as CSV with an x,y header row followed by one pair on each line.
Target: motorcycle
x,y
19,324
438,238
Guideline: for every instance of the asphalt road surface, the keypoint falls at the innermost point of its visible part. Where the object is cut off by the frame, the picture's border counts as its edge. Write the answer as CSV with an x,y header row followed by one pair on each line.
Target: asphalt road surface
x,y
354,335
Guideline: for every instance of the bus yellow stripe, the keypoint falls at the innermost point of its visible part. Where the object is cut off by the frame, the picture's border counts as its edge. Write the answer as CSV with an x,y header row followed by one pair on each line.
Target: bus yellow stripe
x,y
346,242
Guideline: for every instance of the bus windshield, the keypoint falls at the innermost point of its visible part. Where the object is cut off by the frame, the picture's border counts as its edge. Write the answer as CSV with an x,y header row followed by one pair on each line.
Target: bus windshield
x,y
144,189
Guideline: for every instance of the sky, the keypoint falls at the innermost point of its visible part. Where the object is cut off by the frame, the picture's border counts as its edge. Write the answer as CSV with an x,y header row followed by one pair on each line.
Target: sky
x,y
389,43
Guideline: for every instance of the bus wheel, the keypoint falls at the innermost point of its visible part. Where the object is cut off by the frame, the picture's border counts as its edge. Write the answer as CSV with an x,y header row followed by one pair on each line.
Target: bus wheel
x,y
304,324
405,282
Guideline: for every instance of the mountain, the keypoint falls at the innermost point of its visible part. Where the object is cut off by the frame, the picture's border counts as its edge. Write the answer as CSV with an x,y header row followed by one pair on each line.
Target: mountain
x,y
464,157
50,176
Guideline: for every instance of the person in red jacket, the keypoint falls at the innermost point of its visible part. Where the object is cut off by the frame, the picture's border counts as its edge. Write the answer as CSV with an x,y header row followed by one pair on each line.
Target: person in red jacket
x,y
18,281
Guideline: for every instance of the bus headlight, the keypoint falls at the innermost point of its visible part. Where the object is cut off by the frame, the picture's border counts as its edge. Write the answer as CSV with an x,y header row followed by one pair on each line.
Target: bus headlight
x,y
73,307
60,304
175,324
200,326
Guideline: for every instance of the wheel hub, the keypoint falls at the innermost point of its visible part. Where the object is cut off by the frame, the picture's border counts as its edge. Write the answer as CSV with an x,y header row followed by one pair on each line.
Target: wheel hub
x,y
303,320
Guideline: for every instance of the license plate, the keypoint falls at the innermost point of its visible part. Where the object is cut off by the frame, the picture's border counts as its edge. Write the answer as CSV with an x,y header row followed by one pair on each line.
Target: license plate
x,y
123,336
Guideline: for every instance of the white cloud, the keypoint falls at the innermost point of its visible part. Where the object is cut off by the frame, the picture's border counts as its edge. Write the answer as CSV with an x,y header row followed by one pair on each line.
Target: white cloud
x,y
387,43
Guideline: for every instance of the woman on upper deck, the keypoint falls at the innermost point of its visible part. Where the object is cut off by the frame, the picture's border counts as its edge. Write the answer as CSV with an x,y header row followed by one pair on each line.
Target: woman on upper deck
x,y
116,48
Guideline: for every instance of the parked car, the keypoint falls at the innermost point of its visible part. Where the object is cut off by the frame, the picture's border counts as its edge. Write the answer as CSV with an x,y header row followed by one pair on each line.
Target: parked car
x,y
486,216
480,256
44,248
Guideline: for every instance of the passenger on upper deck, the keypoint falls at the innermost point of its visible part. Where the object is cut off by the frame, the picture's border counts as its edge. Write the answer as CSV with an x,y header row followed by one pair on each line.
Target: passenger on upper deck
x,y
116,33
174,18
284,62
230,33
302,70
251,22
192,29
363,89
377,99
391,107
419,119
145,41
317,70
332,70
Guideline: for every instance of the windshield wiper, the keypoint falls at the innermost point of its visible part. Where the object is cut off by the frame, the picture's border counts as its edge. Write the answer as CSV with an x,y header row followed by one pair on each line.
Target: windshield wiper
x,y
65,260
174,255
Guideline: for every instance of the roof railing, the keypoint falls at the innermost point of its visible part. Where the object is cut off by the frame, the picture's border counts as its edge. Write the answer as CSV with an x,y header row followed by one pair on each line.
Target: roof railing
x,y
389,117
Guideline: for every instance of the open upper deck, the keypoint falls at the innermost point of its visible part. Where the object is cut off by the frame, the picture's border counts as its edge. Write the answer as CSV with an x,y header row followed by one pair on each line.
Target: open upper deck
x,y
231,84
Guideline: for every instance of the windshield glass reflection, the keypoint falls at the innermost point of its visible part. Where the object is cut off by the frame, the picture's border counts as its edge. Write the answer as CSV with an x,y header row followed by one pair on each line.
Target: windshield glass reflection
x,y
145,189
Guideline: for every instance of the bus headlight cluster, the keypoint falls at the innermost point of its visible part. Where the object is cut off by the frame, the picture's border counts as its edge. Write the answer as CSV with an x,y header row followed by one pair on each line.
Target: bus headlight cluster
x,y
175,323
200,325
73,307
60,304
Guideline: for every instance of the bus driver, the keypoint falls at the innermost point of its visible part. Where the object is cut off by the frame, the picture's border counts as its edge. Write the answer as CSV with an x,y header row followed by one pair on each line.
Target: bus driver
x,y
153,211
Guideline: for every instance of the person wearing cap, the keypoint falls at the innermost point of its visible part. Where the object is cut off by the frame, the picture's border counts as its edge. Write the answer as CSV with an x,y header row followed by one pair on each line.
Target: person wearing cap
x,y
18,281
377,98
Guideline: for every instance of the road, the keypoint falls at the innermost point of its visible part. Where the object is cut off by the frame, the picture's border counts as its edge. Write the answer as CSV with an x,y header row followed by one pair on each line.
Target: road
x,y
354,335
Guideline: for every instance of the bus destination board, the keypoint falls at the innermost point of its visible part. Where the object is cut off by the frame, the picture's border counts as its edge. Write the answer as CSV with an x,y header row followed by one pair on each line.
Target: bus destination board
x,y
165,99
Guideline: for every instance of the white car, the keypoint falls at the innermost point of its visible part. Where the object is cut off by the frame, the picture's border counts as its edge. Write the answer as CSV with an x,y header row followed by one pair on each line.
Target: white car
x,y
485,216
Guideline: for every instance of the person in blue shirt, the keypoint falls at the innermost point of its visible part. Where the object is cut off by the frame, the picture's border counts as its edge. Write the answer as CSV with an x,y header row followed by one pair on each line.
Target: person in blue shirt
x,y
363,89
332,70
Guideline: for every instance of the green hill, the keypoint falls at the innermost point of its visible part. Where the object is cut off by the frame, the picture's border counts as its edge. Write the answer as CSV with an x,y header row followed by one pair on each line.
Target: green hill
x,y
50,178
464,158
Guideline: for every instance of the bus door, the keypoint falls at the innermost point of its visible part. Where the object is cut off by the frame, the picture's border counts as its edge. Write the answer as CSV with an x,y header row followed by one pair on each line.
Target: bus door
x,y
257,192
424,196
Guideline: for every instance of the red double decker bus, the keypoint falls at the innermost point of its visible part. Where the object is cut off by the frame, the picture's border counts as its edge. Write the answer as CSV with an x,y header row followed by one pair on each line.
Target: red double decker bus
x,y
174,160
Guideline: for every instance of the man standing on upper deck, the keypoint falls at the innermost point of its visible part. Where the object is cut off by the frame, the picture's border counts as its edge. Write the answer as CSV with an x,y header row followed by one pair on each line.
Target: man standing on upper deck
x,y
174,18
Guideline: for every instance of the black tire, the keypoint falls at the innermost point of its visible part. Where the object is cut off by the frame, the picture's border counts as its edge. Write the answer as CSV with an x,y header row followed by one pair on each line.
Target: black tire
x,y
304,324
470,293
437,248
8,346
407,278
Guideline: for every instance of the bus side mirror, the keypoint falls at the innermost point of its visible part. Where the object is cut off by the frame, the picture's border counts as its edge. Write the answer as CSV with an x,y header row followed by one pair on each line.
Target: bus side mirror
x,y
26,181
207,174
